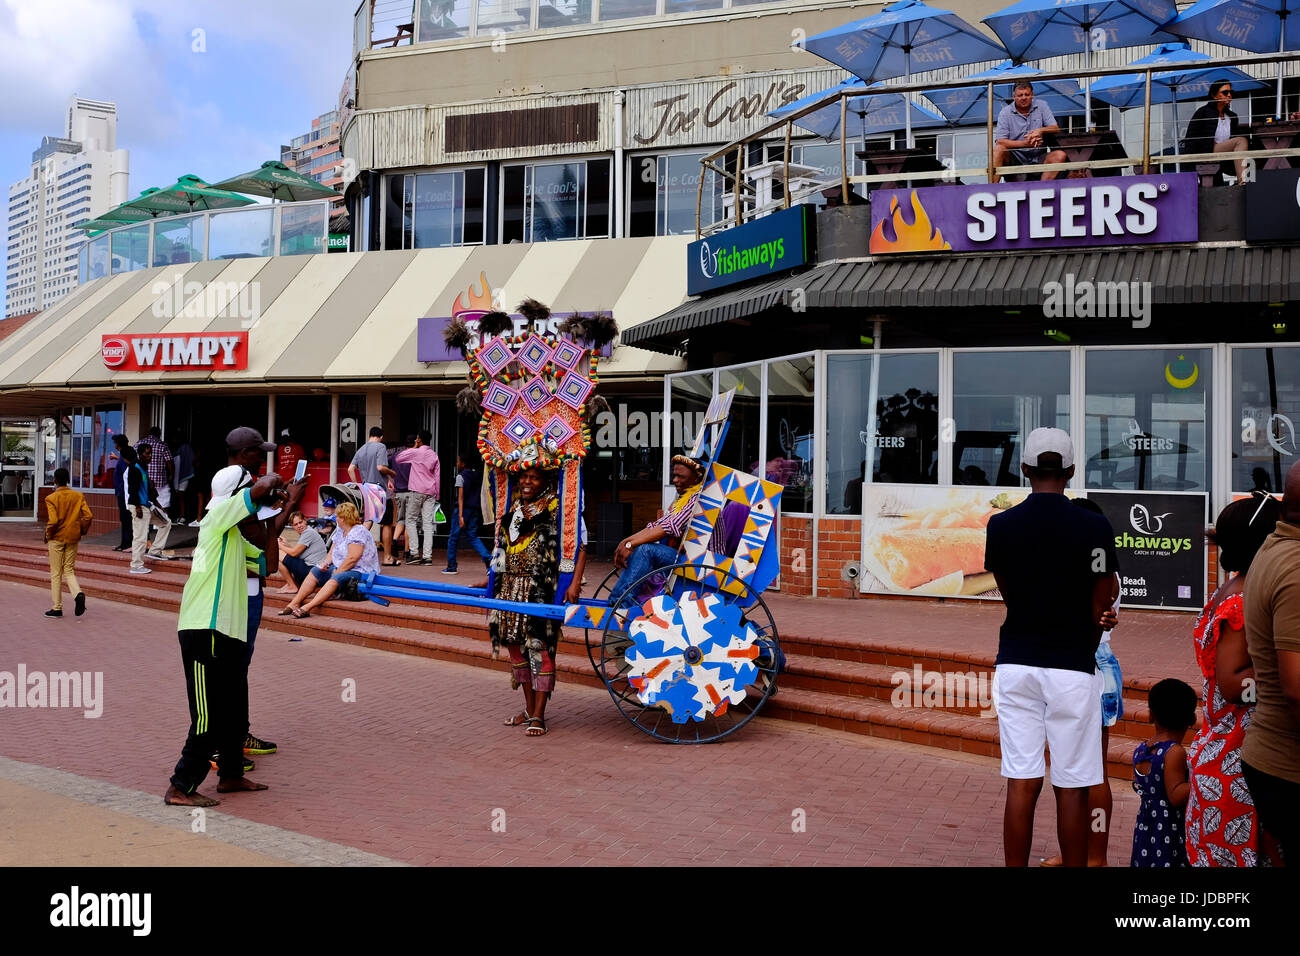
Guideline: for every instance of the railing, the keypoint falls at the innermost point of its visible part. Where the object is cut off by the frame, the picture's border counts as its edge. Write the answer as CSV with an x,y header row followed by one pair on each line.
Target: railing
x,y
268,229
742,192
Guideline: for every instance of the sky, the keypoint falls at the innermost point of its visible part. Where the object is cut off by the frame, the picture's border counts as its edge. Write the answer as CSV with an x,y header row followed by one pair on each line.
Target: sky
x,y
210,88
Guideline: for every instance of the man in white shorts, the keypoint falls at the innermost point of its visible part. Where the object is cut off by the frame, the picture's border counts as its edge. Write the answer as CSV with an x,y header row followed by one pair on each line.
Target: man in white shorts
x,y
1054,565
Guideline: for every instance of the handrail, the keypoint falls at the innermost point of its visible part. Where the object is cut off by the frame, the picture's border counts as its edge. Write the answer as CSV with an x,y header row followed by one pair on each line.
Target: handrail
x,y
1146,160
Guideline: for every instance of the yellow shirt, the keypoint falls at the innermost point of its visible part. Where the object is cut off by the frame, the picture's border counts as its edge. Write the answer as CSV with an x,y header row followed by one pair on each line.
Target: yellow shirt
x,y
69,516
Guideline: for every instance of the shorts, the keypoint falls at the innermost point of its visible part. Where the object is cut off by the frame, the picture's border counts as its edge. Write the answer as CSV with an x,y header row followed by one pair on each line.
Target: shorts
x,y
1029,157
1112,685
298,568
387,519
399,508
1055,707
338,577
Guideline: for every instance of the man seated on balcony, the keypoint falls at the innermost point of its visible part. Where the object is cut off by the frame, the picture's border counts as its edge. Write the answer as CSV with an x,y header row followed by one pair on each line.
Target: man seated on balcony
x,y
1214,128
1018,135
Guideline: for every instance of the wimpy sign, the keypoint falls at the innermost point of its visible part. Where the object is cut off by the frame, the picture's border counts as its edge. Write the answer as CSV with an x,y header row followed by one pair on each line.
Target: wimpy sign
x,y
139,353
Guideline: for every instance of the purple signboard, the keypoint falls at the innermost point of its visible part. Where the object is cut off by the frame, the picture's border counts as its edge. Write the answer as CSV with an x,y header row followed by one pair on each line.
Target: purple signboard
x,y
1029,216
430,347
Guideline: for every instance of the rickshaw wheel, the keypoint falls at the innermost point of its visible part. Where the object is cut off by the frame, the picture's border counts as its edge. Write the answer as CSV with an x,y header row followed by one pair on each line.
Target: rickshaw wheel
x,y
592,635
655,719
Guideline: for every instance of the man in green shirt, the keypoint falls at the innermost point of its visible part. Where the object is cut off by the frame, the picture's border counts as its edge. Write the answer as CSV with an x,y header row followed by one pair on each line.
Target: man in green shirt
x,y
213,633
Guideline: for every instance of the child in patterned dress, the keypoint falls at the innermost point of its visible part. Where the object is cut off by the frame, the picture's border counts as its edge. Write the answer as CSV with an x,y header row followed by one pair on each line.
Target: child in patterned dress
x,y
1164,784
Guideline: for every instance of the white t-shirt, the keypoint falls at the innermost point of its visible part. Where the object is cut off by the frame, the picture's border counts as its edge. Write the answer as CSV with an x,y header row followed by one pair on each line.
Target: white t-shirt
x,y
1223,132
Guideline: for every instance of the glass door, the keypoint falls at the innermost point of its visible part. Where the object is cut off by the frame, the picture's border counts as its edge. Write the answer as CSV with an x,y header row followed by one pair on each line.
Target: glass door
x,y
17,468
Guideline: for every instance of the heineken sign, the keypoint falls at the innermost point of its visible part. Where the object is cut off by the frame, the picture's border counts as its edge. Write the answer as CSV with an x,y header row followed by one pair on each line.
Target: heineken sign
x,y
758,249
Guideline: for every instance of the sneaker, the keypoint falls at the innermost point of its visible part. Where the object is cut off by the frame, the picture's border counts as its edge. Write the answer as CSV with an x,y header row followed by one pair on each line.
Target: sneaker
x,y
249,766
451,571
255,745
142,570
181,523
80,603
53,613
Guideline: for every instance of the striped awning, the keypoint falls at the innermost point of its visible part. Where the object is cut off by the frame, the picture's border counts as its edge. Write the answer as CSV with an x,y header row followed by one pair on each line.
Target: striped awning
x,y
341,317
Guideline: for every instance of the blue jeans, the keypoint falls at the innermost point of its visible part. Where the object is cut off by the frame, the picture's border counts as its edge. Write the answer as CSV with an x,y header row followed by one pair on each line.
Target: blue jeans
x,y
254,620
644,559
472,518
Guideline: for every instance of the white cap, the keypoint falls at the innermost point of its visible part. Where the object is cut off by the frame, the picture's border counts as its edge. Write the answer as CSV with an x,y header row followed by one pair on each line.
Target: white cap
x,y
1044,441
231,479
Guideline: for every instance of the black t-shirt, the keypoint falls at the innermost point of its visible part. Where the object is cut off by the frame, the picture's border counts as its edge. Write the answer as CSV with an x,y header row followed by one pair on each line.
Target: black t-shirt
x,y
1048,554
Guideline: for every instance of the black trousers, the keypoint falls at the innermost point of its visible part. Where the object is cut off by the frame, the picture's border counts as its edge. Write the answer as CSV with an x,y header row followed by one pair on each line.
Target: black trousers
x,y
124,516
216,681
1277,804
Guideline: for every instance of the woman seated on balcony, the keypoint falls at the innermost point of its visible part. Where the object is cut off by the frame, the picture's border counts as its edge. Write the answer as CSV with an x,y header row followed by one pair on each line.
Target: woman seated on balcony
x,y
1214,128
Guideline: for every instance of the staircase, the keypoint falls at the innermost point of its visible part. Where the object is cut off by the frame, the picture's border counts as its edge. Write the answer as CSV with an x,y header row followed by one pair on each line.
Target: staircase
x,y
831,680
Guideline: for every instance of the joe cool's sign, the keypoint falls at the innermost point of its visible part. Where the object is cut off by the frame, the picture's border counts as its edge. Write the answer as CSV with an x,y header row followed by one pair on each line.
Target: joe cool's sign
x,y
760,248
143,353
1110,211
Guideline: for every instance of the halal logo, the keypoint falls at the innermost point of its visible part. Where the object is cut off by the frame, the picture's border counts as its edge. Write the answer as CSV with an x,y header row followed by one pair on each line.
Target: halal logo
x,y
1279,428
1185,380
1144,522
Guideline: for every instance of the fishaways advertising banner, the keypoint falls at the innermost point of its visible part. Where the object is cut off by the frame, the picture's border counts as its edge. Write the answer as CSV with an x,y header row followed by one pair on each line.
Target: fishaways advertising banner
x,y
928,541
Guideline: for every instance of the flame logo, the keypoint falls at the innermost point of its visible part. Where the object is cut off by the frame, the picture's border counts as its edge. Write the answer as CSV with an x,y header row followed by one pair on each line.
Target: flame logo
x,y
920,235
479,303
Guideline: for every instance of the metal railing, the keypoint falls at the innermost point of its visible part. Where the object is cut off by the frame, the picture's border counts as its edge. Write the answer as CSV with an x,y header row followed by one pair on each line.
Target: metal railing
x,y
741,192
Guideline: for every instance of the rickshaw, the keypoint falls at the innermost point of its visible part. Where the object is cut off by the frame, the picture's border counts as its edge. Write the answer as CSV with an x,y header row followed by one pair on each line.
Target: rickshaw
x,y
691,652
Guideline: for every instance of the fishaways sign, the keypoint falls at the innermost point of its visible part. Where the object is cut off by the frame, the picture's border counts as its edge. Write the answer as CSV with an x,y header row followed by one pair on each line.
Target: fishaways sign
x,y
760,248
218,351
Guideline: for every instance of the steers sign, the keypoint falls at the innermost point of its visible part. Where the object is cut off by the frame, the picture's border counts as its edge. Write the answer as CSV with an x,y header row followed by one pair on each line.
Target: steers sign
x,y
141,353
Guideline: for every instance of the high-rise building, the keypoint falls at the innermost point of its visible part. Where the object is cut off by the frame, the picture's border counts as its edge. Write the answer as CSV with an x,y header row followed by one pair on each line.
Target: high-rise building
x,y
316,154
73,177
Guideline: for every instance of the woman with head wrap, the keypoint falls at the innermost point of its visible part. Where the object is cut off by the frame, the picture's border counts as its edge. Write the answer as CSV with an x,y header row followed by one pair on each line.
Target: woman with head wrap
x,y
1221,825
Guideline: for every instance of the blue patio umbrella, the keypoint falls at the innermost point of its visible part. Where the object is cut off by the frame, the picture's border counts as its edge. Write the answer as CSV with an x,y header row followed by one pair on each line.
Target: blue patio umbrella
x,y
1188,79
871,113
969,104
1260,26
1032,29
905,35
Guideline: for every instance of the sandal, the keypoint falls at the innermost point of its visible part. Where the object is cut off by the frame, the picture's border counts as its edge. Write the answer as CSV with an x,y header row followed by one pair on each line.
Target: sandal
x,y
519,718
299,615
392,564
537,727
286,612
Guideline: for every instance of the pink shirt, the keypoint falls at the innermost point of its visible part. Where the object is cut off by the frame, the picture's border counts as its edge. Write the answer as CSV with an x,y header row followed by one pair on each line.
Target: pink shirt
x,y
424,469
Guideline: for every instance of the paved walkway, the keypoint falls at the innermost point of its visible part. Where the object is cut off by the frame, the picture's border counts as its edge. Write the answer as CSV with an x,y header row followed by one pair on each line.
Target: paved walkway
x,y
419,769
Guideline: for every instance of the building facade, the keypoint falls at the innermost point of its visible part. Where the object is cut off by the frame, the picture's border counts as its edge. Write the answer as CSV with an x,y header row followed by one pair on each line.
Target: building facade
x,y
316,154
73,178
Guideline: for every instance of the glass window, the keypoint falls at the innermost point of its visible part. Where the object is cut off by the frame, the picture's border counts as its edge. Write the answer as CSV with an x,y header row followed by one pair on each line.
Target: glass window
x,y
83,264
443,19
743,448
686,6
1147,419
131,249
791,448
445,209
997,404
106,423
662,192
905,445
966,150
352,427
689,400
547,201
622,9
504,16
562,13
1266,412
178,240
244,234
302,228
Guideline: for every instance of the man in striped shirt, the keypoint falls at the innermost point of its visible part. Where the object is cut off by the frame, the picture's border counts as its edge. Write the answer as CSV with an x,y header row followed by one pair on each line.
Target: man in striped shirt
x,y
656,545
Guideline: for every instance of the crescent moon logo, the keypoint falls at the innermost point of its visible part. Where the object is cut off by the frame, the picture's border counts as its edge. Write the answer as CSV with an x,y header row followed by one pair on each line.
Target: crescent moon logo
x,y
1177,382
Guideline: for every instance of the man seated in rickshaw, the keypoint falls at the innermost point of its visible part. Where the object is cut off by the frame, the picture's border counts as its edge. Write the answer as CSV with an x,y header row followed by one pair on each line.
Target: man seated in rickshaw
x,y
656,545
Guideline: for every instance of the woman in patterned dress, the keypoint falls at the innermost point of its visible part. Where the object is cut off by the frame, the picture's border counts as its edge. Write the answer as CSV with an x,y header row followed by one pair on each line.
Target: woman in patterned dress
x,y
1221,826
530,537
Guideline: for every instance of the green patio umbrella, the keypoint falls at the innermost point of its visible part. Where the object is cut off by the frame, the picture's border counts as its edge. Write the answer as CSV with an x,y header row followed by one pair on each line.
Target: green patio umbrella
x,y
117,216
187,194
278,181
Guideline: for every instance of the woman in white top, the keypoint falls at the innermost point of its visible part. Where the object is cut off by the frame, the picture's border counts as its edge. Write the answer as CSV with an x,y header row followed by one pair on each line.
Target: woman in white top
x,y
1214,127
353,554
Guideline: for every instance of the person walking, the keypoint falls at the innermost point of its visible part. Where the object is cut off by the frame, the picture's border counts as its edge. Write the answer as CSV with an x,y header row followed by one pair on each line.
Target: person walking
x,y
1054,565
68,518
120,441
422,500
467,516
161,465
1270,757
370,466
184,498
212,631
145,512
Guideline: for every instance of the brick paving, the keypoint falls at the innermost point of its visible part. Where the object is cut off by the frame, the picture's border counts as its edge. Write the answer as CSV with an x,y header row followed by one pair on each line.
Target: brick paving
x,y
419,767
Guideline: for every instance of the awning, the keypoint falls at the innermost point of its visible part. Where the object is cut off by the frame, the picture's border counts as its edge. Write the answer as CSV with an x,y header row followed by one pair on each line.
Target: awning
x,y
1186,275
342,317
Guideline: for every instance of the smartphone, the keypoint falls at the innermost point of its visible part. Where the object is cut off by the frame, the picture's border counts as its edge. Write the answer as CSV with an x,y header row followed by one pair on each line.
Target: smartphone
x,y
301,470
